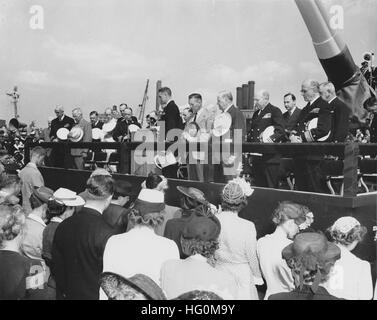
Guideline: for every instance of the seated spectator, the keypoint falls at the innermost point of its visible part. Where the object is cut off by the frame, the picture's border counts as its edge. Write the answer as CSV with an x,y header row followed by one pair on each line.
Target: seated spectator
x,y
191,198
199,242
10,188
351,278
311,258
60,206
137,287
116,214
79,242
287,217
141,250
20,277
159,185
237,253
35,223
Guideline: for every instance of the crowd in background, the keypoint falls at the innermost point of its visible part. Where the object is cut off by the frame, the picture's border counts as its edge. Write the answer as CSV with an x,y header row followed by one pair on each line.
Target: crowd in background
x,y
116,240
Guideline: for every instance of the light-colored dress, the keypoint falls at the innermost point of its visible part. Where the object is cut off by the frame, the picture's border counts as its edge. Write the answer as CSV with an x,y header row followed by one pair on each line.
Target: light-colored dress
x,y
350,278
275,271
237,254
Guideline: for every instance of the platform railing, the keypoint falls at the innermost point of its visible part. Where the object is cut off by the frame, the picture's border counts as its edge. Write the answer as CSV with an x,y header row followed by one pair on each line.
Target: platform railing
x,y
349,153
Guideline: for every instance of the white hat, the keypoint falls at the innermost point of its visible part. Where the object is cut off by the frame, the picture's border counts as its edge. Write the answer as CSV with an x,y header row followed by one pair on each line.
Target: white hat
x,y
222,124
68,197
76,134
62,133
133,128
345,224
96,133
151,195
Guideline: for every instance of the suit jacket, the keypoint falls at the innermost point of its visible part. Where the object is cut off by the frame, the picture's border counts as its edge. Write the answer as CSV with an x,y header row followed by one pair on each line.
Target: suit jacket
x,y
172,117
321,109
269,116
116,217
56,124
121,128
238,121
340,120
173,230
291,120
77,254
304,294
87,137
98,125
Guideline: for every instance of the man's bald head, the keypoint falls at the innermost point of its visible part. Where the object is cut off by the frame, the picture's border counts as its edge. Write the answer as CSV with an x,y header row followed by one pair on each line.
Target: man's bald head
x,y
261,99
310,89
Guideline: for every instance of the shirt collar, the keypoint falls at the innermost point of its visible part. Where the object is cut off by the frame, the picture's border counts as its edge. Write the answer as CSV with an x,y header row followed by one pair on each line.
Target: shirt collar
x,y
167,103
198,257
292,110
32,165
92,208
32,216
331,100
226,110
314,100
56,219
62,118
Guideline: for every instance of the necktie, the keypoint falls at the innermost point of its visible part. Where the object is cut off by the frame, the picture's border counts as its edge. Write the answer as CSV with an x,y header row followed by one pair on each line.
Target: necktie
x,y
195,118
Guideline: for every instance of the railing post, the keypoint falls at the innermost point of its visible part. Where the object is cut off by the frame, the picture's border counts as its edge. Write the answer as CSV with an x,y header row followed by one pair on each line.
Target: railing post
x,y
350,169
67,152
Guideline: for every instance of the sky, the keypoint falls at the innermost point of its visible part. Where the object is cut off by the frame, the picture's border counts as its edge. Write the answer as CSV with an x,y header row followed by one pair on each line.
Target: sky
x,y
94,53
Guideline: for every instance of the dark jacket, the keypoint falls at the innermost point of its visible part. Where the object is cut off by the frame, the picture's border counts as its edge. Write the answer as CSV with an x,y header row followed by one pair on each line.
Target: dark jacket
x,y
98,125
56,124
340,120
174,228
319,109
305,294
269,116
238,121
291,120
116,217
172,117
121,128
373,129
77,254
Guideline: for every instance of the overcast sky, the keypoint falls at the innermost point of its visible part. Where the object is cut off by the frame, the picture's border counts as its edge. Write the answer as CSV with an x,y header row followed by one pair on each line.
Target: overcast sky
x,y
96,53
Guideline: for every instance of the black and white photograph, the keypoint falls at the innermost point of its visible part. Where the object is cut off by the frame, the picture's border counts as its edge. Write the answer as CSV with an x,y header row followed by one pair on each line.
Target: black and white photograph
x,y
176,150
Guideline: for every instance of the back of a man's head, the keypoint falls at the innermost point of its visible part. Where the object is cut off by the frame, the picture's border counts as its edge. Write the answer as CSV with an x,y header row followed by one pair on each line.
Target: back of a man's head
x,y
100,188
38,152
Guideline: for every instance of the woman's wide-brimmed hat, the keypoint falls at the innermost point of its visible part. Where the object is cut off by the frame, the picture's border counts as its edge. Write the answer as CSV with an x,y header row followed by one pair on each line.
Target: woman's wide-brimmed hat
x,y
115,286
193,193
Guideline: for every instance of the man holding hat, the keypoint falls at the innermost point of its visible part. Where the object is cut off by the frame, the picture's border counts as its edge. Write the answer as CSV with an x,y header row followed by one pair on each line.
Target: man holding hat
x,y
199,242
81,132
311,259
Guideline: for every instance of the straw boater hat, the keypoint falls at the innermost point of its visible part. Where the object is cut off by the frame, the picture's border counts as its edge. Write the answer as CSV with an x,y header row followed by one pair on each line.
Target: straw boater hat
x,y
97,133
314,251
76,134
62,133
115,286
68,197
222,124
345,224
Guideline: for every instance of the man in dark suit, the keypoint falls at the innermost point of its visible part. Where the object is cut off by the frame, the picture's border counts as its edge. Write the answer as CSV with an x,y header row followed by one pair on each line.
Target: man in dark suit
x,y
341,113
94,120
307,169
61,121
172,119
229,163
292,114
266,167
79,243
121,132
